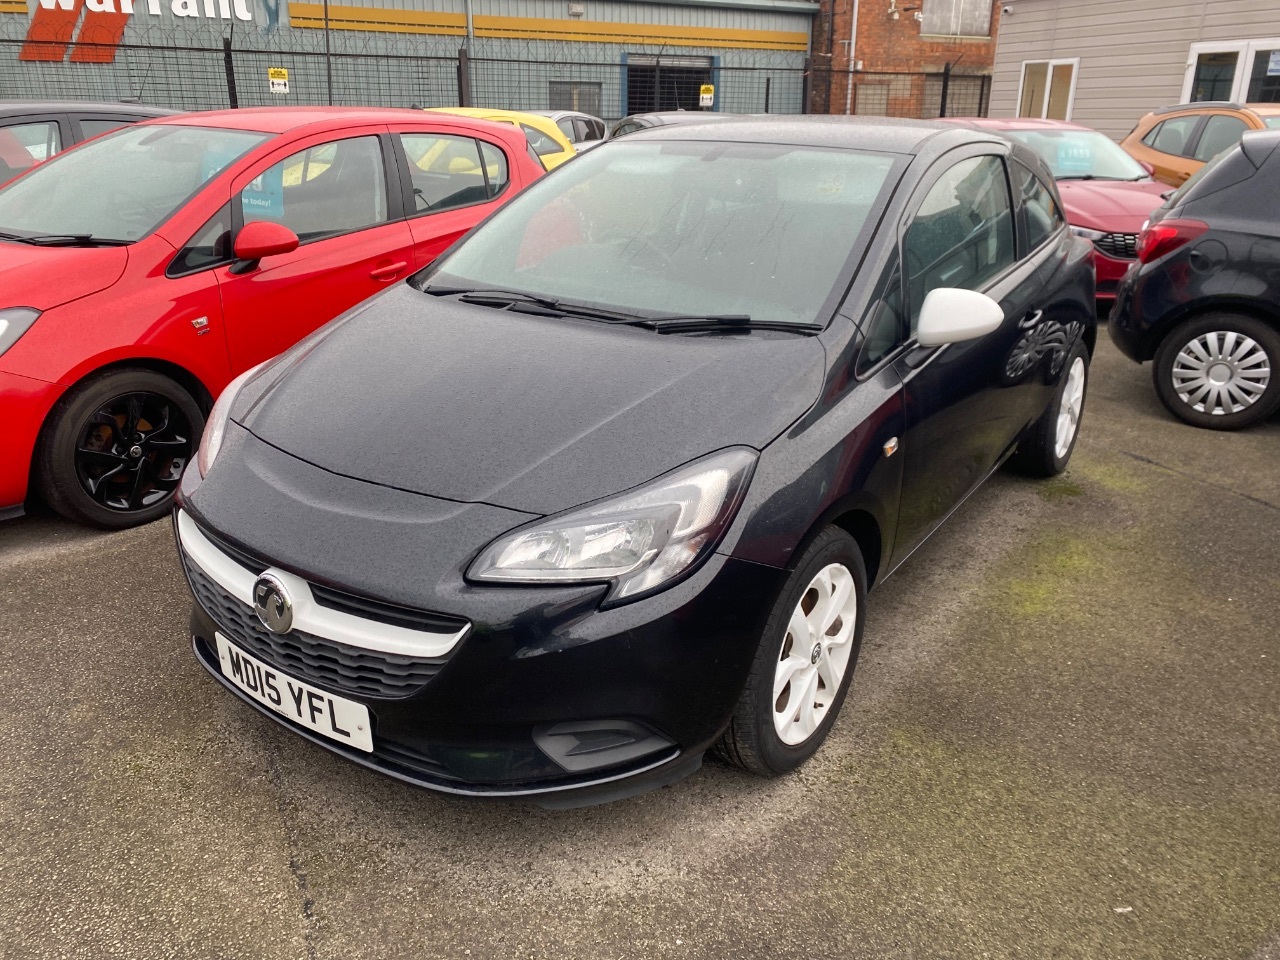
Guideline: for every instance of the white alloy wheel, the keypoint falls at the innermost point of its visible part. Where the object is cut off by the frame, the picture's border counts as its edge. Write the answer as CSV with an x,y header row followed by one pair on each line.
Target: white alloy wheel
x,y
1221,372
815,654
1069,409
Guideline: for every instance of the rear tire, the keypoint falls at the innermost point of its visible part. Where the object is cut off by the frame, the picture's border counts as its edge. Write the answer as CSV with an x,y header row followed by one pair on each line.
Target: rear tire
x,y
1047,449
115,446
804,661
1220,371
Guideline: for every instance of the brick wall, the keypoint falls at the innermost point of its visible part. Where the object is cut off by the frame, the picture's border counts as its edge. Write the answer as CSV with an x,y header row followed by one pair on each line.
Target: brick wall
x,y
886,48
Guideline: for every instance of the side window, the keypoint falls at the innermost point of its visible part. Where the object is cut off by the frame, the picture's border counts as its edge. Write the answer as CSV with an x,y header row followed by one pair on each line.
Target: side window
x,y
624,128
97,127
566,127
23,145
886,324
495,167
209,247
1221,132
1040,215
584,130
322,191
1172,136
962,234
541,143
447,171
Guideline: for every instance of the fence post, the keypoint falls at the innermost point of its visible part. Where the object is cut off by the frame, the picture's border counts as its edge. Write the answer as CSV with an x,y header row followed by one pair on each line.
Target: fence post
x,y
464,77
232,98
767,82
806,86
946,82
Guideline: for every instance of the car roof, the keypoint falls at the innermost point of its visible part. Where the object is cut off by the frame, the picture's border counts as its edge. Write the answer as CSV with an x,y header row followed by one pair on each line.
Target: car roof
x,y
884,134
18,108
1264,109
286,119
1015,123
679,116
555,114
481,113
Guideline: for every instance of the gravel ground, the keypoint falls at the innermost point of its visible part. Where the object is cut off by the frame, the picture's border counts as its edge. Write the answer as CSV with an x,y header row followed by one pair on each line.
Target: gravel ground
x,y
1063,741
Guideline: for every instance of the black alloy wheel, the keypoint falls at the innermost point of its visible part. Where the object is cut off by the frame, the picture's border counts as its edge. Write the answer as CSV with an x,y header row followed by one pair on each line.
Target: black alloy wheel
x,y
117,448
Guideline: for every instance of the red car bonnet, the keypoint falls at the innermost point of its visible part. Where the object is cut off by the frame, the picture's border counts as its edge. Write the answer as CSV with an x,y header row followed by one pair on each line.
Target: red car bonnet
x,y
44,277
1110,205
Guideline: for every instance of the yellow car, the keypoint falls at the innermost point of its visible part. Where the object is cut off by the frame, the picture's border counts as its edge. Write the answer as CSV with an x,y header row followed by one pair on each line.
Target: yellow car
x,y
545,138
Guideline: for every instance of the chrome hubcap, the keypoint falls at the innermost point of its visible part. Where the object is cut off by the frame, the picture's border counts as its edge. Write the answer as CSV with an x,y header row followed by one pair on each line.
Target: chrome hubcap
x,y
815,654
1069,409
1221,372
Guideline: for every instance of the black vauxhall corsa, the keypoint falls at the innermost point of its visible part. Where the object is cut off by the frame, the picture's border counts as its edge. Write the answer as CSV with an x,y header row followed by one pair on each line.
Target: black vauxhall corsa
x,y
1203,299
606,486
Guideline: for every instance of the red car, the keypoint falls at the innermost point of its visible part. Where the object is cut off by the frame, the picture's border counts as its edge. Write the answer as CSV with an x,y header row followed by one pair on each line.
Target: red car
x,y
1107,195
142,271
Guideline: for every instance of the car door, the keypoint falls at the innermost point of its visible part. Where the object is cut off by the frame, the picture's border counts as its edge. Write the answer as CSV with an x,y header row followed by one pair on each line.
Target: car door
x,y
340,193
451,181
1168,147
963,413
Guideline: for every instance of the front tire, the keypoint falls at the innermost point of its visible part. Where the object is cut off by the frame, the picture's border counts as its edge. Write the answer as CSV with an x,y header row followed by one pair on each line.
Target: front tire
x,y
804,661
1046,450
115,446
1219,371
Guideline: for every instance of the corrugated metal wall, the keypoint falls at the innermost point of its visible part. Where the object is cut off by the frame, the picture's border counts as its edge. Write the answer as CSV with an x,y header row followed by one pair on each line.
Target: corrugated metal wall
x,y
520,48
1133,53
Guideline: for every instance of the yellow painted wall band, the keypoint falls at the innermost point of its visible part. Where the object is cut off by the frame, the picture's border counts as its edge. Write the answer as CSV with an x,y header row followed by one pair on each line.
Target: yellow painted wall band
x,y
311,15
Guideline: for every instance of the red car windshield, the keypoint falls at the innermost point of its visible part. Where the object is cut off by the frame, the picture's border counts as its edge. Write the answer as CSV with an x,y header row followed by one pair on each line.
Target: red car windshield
x,y
121,186
1080,154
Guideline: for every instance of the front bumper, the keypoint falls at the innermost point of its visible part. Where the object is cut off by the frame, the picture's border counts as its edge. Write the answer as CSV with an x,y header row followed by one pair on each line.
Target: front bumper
x,y
24,402
1110,271
544,696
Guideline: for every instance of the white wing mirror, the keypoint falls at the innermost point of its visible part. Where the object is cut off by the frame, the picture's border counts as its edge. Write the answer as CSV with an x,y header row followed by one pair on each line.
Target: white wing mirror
x,y
950,315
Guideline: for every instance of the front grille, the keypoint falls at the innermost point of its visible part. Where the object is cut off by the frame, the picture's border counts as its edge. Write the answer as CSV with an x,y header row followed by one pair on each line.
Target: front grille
x,y
325,663
365,607
1122,246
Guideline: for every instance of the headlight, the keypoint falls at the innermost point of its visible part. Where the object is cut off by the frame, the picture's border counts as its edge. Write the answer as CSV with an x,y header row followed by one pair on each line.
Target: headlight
x,y
639,541
1087,233
216,426
14,322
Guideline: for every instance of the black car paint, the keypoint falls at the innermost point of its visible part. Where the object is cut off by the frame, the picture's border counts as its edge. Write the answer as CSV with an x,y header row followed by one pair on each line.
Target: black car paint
x,y
674,661
1233,267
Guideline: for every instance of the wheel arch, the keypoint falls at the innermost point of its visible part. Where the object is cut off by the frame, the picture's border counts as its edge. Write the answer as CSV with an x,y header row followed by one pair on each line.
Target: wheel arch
x,y
859,518
1250,307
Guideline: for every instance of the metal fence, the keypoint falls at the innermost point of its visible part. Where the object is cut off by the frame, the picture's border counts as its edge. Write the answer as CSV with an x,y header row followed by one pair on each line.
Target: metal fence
x,y
216,72
921,96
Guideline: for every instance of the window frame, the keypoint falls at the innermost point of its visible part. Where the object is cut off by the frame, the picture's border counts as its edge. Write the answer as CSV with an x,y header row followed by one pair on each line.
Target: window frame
x,y
409,204
59,120
1245,51
1048,86
1025,250
922,190
395,198
1192,142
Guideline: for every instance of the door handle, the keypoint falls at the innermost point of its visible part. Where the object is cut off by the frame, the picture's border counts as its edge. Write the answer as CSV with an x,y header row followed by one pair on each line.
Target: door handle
x,y
388,272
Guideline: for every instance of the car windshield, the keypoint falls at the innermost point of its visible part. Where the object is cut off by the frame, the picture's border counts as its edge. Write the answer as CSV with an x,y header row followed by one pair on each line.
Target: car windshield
x,y
680,228
1080,154
122,186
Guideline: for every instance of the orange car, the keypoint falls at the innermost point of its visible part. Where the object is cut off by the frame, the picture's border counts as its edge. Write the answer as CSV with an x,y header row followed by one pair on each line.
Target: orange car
x,y
1177,141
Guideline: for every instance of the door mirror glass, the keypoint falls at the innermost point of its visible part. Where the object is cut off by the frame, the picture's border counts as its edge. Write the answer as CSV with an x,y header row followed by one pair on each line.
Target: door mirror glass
x,y
262,238
951,316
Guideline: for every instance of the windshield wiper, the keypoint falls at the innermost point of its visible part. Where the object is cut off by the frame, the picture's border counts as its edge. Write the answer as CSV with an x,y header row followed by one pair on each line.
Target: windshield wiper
x,y
725,322
509,299
64,240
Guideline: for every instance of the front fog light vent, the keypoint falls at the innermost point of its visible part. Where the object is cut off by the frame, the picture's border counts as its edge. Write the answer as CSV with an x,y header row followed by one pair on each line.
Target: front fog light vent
x,y
593,744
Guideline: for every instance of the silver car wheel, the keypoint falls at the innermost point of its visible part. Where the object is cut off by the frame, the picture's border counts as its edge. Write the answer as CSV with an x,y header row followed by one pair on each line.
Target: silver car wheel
x,y
1221,372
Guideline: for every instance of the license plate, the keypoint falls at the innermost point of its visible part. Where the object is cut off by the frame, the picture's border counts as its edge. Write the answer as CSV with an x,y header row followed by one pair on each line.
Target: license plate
x,y
330,716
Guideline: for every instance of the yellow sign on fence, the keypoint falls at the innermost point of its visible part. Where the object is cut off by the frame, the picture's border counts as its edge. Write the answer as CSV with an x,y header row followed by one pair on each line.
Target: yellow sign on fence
x,y
278,78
